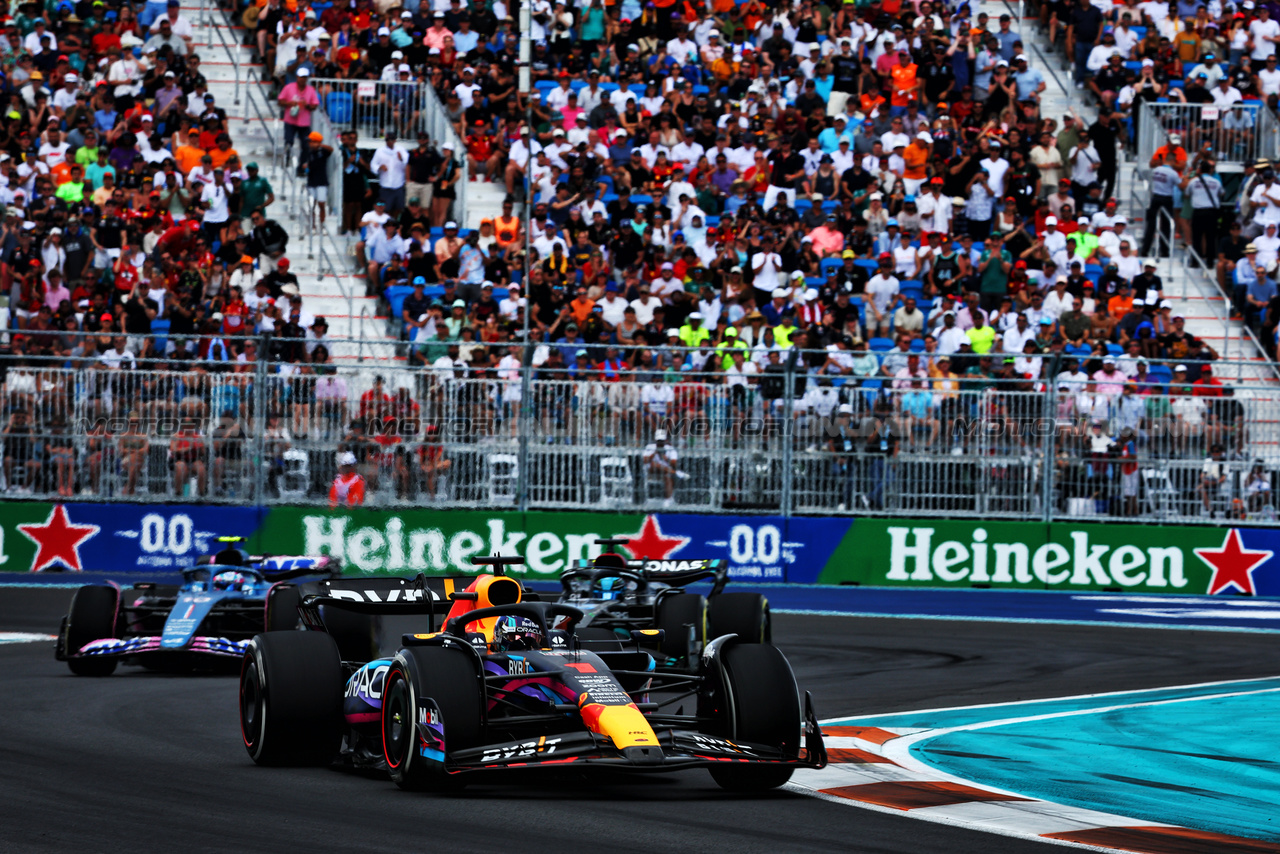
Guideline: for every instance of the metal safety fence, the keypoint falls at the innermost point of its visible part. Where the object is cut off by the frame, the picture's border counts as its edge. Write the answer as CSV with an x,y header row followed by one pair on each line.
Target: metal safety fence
x,y
267,425
1238,134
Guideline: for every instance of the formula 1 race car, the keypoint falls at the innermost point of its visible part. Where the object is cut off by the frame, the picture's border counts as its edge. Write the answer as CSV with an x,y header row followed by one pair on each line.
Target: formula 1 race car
x,y
222,602
620,596
492,678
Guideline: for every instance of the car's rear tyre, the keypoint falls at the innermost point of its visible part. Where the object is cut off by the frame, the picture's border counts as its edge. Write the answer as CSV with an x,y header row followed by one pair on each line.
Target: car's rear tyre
x,y
765,710
92,617
448,677
743,614
282,608
291,690
675,614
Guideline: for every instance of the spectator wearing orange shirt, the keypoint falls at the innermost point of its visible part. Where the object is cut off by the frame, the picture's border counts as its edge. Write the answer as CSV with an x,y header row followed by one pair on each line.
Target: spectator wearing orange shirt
x,y
222,151
916,156
905,84
581,306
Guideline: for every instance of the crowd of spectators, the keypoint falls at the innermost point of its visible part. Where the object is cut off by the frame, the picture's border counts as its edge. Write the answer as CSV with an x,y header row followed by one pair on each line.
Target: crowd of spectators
x,y
874,186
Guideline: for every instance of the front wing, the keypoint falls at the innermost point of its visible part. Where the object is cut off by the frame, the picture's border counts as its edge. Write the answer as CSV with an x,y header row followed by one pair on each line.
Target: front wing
x,y
678,749
145,645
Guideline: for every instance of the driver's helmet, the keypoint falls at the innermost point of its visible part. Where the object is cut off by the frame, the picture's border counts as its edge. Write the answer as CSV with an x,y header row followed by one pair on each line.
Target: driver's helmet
x,y
608,588
514,633
229,580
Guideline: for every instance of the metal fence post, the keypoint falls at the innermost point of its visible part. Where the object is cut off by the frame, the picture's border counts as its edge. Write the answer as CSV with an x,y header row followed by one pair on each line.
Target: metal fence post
x,y
524,427
788,432
1050,461
260,396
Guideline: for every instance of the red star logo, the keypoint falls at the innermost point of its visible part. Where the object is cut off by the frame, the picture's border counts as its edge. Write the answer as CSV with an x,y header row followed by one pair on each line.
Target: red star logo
x,y
1233,564
649,543
58,540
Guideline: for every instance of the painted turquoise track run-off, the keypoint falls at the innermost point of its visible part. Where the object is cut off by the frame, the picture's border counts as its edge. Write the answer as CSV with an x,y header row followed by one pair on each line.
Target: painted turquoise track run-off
x,y
1201,756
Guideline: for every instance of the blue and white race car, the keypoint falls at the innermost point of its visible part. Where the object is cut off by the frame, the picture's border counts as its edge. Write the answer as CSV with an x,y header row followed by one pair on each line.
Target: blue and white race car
x,y
221,604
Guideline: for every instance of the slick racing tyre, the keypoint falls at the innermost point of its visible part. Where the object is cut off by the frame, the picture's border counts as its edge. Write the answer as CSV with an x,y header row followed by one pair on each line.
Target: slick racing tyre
x,y
675,614
282,608
291,690
92,617
743,614
447,677
765,709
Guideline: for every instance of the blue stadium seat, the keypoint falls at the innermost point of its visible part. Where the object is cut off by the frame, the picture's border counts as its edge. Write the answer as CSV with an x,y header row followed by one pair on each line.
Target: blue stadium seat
x,y
1157,373
866,263
545,86
1092,270
871,390
712,221
917,345
1080,351
830,266
337,106
433,291
803,206
1115,350
641,199
396,295
160,329
880,345
501,293
815,281
1140,32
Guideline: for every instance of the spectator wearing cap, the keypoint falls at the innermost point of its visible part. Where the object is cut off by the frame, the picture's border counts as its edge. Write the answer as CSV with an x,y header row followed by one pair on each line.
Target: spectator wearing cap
x,y
390,164
298,99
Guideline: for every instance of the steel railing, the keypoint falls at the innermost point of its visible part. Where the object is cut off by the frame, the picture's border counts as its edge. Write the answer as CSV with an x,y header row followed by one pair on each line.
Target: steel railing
x,y
1254,137
586,437
214,26
372,107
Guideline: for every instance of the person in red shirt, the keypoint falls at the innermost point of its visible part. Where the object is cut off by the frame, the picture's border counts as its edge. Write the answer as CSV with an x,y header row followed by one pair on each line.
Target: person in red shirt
x,y
1208,385
375,404
235,314
348,487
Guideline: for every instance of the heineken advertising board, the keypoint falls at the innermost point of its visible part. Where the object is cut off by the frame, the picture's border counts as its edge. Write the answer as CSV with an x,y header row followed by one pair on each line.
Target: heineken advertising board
x,y
138,539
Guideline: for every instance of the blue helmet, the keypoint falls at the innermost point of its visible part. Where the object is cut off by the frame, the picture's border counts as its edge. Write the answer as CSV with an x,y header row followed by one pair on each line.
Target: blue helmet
x,y
608,588
515,633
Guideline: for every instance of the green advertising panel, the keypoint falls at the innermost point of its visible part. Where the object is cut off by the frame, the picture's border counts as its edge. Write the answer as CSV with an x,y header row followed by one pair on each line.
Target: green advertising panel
x,y
1057,556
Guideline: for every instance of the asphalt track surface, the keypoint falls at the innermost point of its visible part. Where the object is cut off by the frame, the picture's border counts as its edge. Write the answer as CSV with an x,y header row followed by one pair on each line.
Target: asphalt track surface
x,y
146,762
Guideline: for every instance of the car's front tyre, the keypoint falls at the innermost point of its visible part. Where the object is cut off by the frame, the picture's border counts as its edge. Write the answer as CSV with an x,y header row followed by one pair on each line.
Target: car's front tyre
x,y
92,617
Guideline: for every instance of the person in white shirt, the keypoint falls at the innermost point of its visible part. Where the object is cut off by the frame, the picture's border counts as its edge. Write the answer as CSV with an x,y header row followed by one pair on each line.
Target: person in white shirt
x,y
767,265
511,307
621,95
34,42
996,167
1127,263
687,151
950,337
644,305
558,98
678,187
1268,244
1269,77
1084,163
1264,32
613,307
389,164
53,152
1055,242
214,195
1059,301
935,209
666,284
179,24
883,290
1224,94
1016,337
65,98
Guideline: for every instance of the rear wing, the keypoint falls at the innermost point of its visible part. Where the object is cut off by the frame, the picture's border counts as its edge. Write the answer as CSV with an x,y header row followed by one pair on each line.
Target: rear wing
x,y
273,567
423,595
677,573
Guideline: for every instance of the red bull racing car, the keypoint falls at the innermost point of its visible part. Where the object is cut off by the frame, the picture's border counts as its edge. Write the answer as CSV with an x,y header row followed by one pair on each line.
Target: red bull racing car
x,y
438,679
